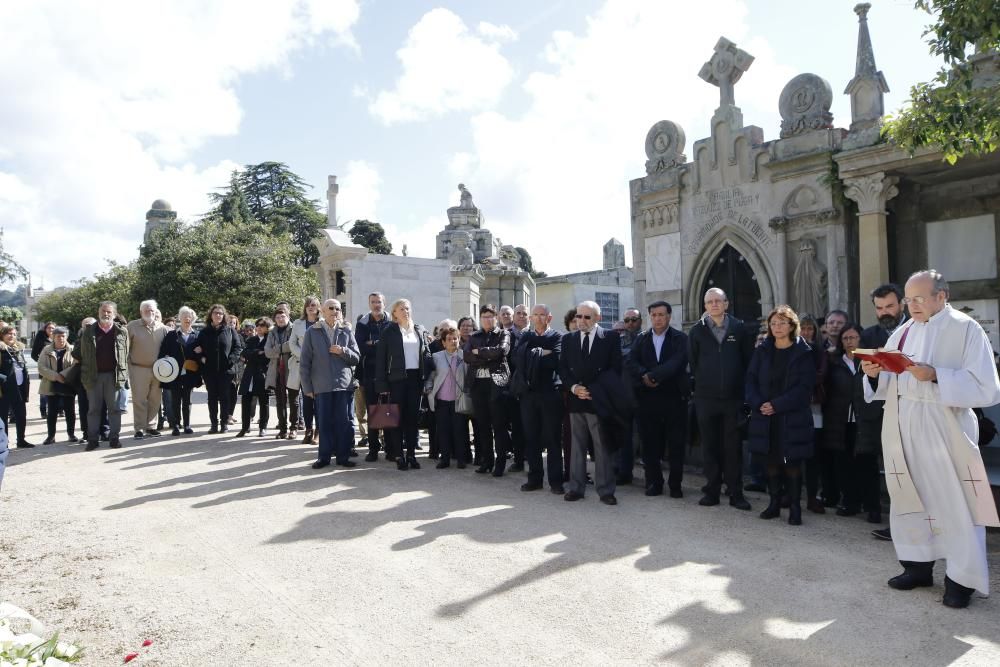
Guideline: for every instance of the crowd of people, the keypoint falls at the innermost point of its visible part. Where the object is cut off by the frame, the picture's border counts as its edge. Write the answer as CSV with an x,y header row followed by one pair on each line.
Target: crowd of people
x,y
510,393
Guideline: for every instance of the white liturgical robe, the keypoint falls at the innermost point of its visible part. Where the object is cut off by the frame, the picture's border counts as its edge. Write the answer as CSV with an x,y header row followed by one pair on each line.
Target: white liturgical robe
x,y
941,498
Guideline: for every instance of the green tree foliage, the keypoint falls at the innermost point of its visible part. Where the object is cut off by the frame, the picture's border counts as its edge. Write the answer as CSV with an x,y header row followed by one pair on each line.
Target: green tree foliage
x,y
371,235
247,267
272,194
524,260
68,307
951,112
11,315
10,268
14,298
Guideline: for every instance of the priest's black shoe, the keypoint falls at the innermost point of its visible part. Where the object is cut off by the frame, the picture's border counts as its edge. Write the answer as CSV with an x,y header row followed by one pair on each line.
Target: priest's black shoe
x,y
739,503
676,492
708,501
956,595
609,500
654,490
915,575
531,486
573,496
346,464
316,465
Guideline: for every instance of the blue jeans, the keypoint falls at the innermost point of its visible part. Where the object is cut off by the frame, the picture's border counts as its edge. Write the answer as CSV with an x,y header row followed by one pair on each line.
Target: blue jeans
x,y
335,432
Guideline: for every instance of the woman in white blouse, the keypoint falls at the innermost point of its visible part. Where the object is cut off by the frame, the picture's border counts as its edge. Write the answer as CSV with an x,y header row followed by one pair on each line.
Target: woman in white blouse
x,y
402,360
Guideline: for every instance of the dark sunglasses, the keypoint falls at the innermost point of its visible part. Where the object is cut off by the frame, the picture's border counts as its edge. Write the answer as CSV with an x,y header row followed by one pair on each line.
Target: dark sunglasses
x,y
632,319
583,317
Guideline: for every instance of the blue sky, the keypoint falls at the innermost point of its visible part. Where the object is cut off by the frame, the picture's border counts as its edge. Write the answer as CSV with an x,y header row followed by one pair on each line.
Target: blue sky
x,y
541,109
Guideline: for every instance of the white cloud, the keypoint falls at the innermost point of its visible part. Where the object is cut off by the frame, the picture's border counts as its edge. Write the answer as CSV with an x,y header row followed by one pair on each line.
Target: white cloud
x,y
446,68
359,192
104,115
564,164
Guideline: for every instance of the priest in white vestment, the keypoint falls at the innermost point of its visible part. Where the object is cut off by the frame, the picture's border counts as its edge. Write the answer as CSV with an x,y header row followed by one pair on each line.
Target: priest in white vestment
x,y
941,498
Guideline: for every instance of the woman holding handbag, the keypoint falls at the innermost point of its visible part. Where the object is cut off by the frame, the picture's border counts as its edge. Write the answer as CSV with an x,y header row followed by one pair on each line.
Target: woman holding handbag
x,y
55,368
401,362
446,395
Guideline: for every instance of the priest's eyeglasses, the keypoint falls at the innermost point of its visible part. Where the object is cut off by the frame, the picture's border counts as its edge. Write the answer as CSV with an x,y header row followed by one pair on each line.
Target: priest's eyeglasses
x,y
919,300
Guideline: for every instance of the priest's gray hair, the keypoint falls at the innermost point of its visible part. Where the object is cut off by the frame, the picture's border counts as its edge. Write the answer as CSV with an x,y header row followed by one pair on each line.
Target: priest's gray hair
x,y
590,304
938,283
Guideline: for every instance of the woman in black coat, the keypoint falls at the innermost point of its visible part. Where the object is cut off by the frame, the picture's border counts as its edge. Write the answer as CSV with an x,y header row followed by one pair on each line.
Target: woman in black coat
x,y
179,344
402,361
253,384
847,471
779,386
219,346
14,384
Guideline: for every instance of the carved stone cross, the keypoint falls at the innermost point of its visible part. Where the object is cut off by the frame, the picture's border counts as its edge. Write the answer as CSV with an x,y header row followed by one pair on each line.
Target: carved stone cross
x,y
725,68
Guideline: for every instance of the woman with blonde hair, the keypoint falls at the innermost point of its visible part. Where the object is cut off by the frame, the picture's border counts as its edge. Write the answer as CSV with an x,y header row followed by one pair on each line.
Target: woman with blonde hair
x,y
310,316
779,387
14,384
401,365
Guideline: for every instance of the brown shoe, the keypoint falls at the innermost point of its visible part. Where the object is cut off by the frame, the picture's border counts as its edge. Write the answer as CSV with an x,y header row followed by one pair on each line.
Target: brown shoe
x,y
815,505
308,439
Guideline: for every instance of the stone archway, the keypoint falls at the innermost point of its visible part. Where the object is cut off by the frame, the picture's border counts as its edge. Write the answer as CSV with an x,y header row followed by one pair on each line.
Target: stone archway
x,y
733,262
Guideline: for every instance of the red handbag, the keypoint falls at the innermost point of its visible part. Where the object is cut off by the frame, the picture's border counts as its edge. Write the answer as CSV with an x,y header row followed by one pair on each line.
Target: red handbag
x,y
382,414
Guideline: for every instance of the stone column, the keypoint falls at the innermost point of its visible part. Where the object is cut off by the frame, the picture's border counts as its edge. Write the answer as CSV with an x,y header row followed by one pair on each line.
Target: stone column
x,y
871,192
780,226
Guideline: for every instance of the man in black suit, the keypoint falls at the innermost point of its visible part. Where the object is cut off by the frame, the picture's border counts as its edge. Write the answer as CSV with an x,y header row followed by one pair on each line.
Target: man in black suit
x,y
720,348
887,300
658,360
586,354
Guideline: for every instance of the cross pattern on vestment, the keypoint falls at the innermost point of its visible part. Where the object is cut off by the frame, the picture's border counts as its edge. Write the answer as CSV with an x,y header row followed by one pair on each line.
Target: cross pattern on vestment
x,y
895,473
972,481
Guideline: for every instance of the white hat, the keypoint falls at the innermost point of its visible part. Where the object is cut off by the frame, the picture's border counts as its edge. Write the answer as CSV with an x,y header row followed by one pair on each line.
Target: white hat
x,y
166,369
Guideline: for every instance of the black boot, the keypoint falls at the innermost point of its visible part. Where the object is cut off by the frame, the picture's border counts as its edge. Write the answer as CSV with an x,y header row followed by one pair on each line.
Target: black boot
x,y
774,491
915,575
794,486
956,595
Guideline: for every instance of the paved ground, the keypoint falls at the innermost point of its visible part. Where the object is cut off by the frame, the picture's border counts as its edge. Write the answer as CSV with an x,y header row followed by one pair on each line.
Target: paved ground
x,y
234,552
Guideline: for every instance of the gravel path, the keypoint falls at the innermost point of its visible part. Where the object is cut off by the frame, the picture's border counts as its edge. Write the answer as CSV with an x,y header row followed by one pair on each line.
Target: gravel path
x,y
234,552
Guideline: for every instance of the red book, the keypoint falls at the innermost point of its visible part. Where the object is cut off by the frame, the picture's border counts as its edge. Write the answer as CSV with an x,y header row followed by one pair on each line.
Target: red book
x,y
893,361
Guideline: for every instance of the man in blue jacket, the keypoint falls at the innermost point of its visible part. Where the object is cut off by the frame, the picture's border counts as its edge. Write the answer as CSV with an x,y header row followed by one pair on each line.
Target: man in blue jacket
x,y
658,360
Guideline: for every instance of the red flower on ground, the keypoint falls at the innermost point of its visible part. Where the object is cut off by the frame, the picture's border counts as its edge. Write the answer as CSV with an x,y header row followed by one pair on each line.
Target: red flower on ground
x,y
148,642
131,656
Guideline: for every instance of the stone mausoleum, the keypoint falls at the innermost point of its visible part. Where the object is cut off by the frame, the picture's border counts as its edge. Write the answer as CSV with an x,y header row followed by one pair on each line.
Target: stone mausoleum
x,y
471,267
611,287
817,217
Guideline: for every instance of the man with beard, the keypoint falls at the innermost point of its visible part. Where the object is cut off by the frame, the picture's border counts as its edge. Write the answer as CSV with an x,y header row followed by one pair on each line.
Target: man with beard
x,y
889,310
144,336
103,353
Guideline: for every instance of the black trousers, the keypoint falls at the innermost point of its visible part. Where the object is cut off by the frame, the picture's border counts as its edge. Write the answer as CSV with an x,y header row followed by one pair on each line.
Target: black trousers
x,y
217,385
517,437
286,401
542,416
722,452
247,410
813,466
68,406
452,432
180,407
837,471
663,425
233,394
12,403
407,394
491,413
